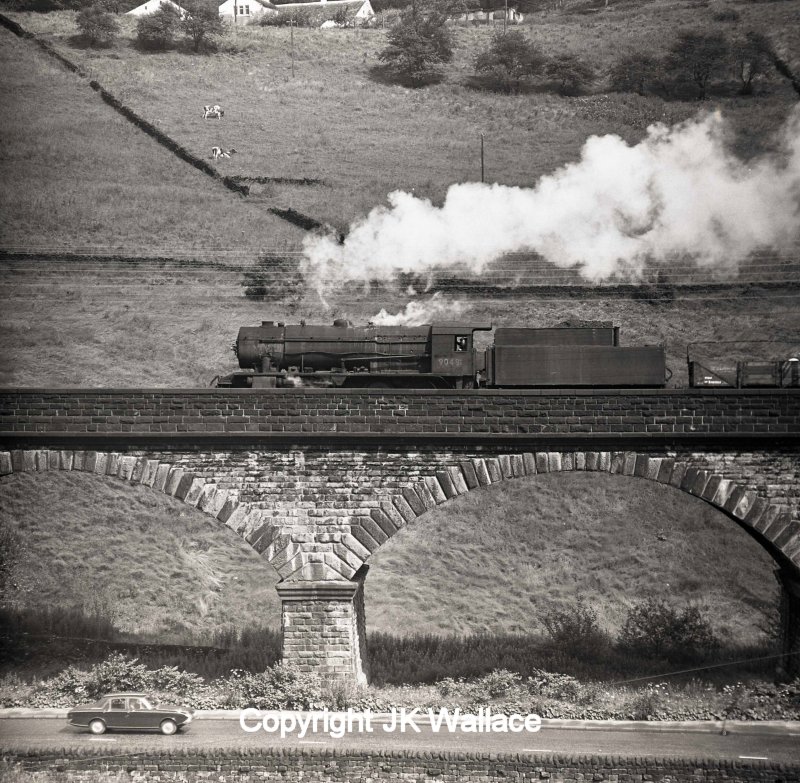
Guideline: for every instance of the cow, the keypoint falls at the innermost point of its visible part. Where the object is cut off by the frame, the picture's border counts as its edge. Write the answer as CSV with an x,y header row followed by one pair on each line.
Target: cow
x,y
214,112
218,152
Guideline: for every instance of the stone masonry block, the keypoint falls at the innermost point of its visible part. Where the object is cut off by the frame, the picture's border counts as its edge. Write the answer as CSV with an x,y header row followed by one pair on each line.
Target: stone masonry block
x,y
413,500
230,505
5,463
139,469
604,461
446,484
678,472
101,463
712,485
493,469
374,529
542,465
617,462
791,529
42,460
766,520
470,477
425,495
744,505
237,520
580,460
629,463
126,466
553,461
112,464
65,460
52,459
530,463
517,465
733,499
505,466
342,568
457,475
195,492
756,511
380,518
173,480
592,460
481,472
724,489
393,514
404,509
348,556
77,459
162,473
184,485
665,470
364,538
567,460
699,484
355,546
149,473
641,466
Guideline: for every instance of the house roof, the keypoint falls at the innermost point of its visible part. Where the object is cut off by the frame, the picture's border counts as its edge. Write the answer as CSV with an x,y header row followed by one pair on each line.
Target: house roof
x,y
140,9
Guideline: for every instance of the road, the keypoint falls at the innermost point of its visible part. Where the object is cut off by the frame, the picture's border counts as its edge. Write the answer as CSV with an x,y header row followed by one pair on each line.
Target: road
x,y
54,733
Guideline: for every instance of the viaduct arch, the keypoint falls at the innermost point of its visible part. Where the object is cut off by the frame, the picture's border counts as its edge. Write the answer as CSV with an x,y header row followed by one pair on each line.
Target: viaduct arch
x,y
317,503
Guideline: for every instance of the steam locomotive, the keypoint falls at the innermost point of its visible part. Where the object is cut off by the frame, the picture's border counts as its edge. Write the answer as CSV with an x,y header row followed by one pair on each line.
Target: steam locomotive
x,y
440,356
444,356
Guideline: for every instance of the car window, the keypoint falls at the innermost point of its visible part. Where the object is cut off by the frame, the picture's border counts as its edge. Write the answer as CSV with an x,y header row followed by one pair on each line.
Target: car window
x,y
138,704
116,704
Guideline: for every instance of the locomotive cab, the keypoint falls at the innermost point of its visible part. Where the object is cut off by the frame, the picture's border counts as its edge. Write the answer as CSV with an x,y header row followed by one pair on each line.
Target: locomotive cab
x,y
453,352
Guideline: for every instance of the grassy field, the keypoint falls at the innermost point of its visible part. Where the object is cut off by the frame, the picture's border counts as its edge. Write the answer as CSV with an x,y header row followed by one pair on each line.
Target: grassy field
x,y
363,137
172,573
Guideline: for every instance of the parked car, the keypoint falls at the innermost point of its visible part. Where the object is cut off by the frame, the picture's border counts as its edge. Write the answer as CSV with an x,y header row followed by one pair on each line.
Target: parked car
x,y
129,712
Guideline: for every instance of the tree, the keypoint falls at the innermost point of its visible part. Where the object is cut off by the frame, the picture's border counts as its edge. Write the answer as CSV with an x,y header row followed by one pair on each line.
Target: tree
x,y
97,26
698,57
202,24
158,30
570,73
634,72
418,44
752,55
510,58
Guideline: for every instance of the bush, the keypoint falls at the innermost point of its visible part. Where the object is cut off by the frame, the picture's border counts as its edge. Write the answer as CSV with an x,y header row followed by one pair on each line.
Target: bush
x,y
418,44
276,278
576,630
509,60
157,31
570,73
656,629
97,26
280,687
634,73
201,25
698,57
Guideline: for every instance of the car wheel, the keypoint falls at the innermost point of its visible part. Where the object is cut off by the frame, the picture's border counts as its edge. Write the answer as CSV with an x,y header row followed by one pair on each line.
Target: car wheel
x,y
97,726
168,726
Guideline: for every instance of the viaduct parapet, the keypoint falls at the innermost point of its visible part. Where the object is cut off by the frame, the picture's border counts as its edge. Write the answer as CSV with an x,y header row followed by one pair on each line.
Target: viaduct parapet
x,y
317,480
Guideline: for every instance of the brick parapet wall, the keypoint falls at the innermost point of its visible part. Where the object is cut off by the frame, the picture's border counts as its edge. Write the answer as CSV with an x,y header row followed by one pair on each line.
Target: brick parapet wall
x,y
360,766
329,411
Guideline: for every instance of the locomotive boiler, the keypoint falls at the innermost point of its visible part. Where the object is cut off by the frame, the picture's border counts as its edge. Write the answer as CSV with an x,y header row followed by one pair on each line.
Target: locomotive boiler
x,y
441,356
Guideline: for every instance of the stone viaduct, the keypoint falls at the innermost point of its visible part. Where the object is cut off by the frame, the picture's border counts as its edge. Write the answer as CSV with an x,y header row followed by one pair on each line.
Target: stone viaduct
x,y
317,480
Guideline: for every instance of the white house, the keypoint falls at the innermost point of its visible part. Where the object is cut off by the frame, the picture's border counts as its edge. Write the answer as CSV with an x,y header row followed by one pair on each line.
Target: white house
x,y
153,5
245,11
361,9
477,16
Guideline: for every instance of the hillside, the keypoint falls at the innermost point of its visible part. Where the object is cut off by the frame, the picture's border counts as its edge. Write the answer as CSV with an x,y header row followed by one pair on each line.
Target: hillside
x,y
494,560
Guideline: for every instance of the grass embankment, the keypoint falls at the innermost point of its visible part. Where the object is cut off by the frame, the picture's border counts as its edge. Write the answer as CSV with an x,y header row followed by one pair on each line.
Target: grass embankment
x,y
334,121
494,561
77,175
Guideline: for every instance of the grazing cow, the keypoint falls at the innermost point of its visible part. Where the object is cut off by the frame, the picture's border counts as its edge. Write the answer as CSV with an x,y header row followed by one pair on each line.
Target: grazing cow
x,y
218,152
215,112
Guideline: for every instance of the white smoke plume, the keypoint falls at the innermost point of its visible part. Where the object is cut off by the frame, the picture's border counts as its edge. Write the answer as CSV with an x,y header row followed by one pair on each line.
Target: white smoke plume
x,y
678,194
419,312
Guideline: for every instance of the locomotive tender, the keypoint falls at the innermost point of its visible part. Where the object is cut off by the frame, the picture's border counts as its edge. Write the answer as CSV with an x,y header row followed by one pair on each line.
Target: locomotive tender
x,y
441,356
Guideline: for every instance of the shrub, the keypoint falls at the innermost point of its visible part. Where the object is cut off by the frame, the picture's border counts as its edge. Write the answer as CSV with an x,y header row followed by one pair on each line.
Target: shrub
x,y
157,31
509,60
418,44
280,687
654,628
570,73
201,25
697,57
575,630
752,55
97,26
634,73
275,278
